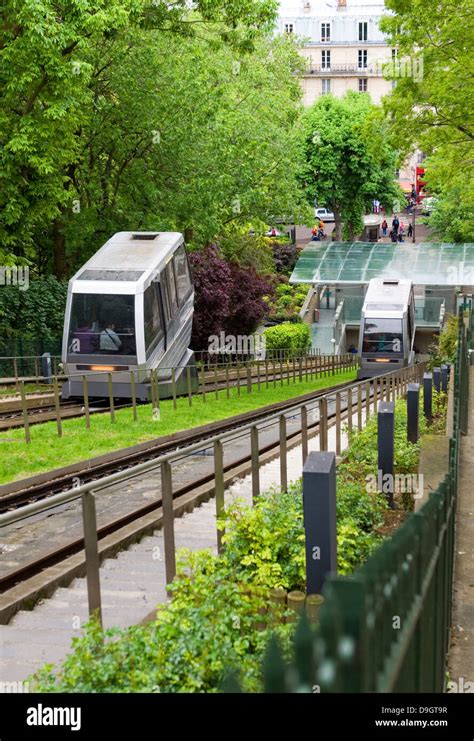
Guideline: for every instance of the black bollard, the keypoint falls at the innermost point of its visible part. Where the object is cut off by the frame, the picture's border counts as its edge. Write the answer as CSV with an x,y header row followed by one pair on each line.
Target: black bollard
x,y
46,368
444,378
386,449
413,406
428,396
437,379
319,505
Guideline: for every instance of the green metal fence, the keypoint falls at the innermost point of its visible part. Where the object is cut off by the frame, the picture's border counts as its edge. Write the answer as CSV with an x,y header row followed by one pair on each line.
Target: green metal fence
x,y
386,627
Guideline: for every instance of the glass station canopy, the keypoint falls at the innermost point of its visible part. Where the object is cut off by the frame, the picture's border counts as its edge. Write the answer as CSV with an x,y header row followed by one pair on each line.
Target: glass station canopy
x,y
426,263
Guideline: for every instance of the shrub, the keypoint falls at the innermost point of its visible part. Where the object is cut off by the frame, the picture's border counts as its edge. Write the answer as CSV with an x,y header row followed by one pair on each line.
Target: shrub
x,y
285,256
288,302
228,297
294,338
444,351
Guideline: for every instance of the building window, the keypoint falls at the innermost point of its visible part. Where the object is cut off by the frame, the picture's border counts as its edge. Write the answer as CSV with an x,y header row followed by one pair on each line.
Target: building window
x,y
363,85
326,86
326,59
325,32
363,31
289,28
362,58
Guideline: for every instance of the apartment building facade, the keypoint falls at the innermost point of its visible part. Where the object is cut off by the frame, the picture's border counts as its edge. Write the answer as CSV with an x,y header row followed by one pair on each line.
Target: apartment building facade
x,y
342,43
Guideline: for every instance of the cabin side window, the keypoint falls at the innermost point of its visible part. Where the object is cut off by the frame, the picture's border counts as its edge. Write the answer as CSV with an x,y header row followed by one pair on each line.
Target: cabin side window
x,y
152,318
182,273
172,295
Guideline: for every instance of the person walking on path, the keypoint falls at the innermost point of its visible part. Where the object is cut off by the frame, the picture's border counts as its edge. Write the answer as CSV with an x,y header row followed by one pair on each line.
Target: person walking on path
x,y
384,227
395,224
410,230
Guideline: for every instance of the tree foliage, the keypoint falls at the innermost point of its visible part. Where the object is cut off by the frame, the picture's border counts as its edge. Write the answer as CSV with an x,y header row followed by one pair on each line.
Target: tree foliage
x,y
229,298
432,105
128,114
347,160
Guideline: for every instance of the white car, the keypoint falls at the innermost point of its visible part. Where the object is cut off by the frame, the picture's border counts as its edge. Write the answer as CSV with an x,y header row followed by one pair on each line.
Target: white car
x,y
324,214
428,205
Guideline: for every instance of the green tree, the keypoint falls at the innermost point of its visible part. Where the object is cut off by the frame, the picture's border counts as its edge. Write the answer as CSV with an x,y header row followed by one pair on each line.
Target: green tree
x,y
432,106
187,141
347,160
54,58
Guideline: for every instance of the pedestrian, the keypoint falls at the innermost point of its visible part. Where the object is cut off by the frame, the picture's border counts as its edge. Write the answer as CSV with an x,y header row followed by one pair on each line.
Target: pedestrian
x,y
395,224
393,235
384,227
410,230
400,237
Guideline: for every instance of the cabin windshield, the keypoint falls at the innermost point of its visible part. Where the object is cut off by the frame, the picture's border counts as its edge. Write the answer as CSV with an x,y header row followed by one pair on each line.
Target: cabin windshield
x,y
102,325
383,336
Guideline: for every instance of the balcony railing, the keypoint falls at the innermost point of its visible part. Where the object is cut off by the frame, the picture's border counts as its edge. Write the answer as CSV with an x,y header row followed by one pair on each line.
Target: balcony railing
x,y
345,69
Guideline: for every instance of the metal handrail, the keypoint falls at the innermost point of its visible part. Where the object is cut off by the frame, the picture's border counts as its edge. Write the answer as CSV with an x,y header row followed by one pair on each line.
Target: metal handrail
x,y
65,497
390,384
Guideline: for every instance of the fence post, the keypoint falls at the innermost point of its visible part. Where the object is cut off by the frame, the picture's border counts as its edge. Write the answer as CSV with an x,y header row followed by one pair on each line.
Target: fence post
x,y
111,399
255,463
249,378
437,379
359,407
227,389
319,506
338,423
413,406
85,393
323,424
134,395
91,549
386,449
57,407
349,412
24,409
219,486
283,466
168,521
173,386
304,432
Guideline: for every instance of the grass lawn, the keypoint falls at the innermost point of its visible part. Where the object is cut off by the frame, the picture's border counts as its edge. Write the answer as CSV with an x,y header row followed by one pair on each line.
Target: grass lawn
x,y
48,451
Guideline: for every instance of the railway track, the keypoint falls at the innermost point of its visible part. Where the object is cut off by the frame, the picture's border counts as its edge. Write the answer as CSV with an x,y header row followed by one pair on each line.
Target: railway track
x,y
30,490
184,497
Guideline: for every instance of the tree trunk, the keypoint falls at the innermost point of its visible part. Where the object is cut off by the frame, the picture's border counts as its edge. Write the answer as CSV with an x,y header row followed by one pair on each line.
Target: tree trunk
x,y
59,250
337,225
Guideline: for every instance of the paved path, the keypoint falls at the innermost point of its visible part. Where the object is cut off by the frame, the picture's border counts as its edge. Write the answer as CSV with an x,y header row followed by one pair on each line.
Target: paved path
x,y
461,654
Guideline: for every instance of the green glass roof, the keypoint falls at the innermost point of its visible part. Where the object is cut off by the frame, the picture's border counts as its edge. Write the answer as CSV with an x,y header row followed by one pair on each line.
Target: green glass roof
x,y
426,263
